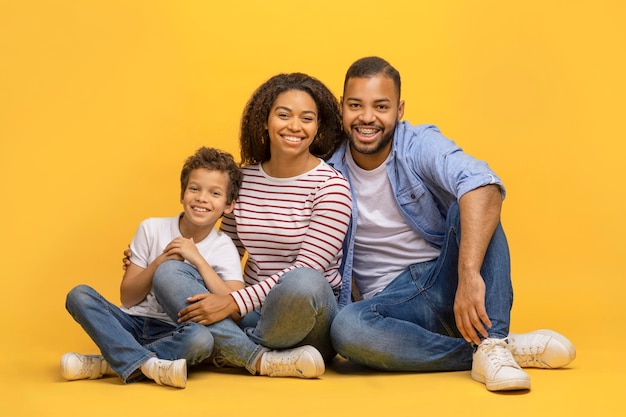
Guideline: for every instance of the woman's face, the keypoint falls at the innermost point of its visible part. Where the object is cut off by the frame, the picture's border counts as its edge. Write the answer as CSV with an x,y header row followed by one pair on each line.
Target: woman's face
x,y
292,123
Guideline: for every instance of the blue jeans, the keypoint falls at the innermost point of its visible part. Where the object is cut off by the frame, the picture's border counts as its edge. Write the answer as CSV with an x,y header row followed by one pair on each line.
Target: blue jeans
x,y
297,311
127,341
410,325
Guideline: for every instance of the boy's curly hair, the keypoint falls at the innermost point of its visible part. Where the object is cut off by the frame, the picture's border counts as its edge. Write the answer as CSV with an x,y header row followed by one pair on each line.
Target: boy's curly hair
x,y
213,159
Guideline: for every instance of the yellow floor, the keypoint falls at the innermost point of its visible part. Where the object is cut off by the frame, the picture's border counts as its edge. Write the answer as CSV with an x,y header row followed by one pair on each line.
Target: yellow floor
x,y
592,386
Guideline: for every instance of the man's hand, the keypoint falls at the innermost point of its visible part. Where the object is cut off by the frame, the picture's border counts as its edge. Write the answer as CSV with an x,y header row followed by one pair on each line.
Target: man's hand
x,y
469,308
208,308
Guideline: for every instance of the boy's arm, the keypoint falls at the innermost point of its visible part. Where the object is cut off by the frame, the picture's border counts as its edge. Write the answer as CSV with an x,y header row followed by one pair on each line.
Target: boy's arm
x,y
137,281
187,249
214,283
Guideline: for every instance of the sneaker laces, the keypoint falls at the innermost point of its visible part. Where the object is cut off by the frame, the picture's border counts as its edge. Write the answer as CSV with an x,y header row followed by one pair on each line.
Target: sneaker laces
x,y
529,353
498,352
282,365
90,367
163,374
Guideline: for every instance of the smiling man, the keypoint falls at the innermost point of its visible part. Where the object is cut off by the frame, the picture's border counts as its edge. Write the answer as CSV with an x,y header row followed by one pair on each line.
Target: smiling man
x,y
425,249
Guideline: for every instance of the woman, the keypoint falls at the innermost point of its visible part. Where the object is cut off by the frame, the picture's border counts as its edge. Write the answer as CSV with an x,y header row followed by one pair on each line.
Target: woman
x,y
291,218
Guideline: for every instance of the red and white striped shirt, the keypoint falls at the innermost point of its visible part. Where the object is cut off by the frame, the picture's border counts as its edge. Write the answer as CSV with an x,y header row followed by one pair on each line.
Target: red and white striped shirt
x,y
286,223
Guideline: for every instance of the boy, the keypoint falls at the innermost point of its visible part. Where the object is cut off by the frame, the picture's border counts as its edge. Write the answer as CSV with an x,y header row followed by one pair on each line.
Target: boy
x,y
138,340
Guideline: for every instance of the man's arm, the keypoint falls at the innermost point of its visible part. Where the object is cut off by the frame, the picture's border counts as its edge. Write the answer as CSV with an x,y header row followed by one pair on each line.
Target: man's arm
x,y
480,214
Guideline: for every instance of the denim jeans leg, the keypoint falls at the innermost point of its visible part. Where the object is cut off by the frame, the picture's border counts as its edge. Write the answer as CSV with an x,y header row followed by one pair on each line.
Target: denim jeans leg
x,y
410,325
496,272
397,330
173,283
298,311
114,332
190,341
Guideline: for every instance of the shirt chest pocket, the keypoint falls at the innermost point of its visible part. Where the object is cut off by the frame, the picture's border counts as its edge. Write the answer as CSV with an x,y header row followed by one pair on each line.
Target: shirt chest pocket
x,y
418,204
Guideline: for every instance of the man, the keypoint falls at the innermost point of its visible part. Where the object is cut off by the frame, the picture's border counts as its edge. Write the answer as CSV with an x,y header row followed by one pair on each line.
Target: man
x,y
425,249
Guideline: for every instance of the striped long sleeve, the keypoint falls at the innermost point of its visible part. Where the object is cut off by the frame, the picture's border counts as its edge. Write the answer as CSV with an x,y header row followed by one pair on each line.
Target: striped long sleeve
x,y
287,223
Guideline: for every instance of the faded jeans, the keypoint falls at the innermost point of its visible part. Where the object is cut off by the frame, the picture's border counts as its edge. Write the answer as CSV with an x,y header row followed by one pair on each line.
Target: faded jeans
x,y
410,325
127,342
297,311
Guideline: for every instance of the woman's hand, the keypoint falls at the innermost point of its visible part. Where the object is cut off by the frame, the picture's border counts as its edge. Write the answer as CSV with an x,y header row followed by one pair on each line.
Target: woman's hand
x,y
208,308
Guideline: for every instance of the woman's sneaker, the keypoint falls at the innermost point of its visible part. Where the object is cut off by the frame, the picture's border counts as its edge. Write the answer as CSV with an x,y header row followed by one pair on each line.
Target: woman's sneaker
x,y
75,366
541,349
301,362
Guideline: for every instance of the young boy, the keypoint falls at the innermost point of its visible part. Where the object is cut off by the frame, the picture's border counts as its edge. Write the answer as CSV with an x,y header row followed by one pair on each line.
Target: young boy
x,y
138,340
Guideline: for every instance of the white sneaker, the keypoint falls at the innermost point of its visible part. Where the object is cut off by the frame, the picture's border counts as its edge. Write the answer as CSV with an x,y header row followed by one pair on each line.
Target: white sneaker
x,y
171,373
494,366
541,349
302,362
75,366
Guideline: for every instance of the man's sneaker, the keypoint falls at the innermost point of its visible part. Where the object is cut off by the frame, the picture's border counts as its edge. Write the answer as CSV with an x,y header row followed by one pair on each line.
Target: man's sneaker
x,y
541,349
302,362
171,373
494,366
75,366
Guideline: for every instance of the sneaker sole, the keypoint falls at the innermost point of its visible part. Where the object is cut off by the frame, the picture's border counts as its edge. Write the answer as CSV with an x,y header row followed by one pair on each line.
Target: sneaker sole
x,y
507,385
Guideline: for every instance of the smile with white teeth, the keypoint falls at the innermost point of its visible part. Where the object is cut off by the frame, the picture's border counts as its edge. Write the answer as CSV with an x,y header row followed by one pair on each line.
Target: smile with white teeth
x,y
293,139
367,131
200,209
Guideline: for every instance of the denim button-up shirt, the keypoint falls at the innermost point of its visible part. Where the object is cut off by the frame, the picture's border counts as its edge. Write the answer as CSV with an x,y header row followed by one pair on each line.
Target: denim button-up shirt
x,y
428,172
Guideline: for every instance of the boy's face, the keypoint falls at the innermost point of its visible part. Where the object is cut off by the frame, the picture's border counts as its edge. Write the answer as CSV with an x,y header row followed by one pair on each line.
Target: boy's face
x,y
204,198
370,109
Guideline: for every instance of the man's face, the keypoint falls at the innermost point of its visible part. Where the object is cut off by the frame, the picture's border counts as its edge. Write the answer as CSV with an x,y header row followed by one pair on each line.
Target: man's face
x,y
370,110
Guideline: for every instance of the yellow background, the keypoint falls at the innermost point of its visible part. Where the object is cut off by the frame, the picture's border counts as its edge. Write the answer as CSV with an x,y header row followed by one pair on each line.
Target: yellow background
x,y
101,101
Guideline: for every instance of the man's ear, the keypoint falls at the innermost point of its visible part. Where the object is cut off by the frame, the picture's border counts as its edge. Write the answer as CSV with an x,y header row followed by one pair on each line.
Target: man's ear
x,y
400,110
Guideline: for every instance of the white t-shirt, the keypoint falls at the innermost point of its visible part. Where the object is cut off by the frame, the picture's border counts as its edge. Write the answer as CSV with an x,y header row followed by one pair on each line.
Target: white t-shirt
x,y
384,244
154,234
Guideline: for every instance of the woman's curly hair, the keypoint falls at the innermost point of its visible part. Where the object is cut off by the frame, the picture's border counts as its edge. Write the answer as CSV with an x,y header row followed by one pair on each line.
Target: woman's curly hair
x,y
253,137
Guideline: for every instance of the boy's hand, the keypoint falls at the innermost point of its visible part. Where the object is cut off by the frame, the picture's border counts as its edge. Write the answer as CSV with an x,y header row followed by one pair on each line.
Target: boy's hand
x,y
184,248
126,259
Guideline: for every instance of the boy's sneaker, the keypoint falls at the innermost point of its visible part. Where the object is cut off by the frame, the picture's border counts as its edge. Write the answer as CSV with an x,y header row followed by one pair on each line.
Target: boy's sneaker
x,y
541,349
171,373
494,366
302,362
75,366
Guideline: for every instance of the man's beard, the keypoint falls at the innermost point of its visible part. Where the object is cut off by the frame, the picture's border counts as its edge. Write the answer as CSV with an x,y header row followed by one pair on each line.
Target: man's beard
x,y
366,150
